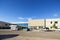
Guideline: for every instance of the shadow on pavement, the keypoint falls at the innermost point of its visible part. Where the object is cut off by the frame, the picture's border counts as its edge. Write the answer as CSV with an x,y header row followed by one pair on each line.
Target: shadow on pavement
x,y
8,36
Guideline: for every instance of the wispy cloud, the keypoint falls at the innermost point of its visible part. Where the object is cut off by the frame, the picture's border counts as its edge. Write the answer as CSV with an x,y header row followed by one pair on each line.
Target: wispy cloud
x,y
25,18
21,18
18,22
29,18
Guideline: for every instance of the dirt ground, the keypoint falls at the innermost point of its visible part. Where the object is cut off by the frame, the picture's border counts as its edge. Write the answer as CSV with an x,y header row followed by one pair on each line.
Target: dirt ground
x,y
29,35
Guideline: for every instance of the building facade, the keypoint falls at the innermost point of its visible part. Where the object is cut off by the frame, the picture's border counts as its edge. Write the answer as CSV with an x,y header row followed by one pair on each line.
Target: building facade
x,y
4,25
23,25
51,22
41,23
36,23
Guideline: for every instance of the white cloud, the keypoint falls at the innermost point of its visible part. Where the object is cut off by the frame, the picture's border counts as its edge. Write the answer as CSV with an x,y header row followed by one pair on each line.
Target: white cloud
x,y
18,22
21,18
25,18
29,18
55,15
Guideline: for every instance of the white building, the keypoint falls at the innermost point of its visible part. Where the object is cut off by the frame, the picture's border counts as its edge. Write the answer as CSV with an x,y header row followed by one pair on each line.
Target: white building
x,y
44,23
50,22
13,27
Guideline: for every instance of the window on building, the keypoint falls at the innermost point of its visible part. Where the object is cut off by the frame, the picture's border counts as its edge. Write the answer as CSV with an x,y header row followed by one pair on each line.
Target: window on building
x,y
51,22
6,24
56,22
40,26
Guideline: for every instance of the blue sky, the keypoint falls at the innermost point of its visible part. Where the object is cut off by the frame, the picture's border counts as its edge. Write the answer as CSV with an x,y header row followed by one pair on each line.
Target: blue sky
x,y
24,10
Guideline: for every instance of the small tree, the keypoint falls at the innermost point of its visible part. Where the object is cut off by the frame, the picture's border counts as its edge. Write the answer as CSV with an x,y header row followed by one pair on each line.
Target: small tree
x,y
54,26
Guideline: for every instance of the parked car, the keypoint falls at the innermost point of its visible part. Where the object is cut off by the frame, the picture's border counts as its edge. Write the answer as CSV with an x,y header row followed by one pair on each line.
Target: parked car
x,y
46,29
28,29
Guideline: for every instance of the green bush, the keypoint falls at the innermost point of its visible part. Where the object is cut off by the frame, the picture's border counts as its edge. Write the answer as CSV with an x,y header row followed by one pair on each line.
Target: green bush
x,y
54,26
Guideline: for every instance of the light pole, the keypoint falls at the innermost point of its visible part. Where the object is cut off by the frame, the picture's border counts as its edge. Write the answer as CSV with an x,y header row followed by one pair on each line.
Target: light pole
x,y
44,23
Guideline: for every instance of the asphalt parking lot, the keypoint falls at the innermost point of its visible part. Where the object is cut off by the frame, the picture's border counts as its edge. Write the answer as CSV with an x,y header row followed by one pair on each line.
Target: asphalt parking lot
x,y
28,35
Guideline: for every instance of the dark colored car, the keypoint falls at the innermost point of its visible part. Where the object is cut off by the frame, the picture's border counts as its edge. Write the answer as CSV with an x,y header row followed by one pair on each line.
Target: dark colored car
x,y
28,29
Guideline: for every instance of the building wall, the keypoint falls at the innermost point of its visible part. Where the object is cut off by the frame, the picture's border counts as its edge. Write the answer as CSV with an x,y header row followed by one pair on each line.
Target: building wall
x,y
13,27
36,22
4,24
44,22
50,22
23,24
